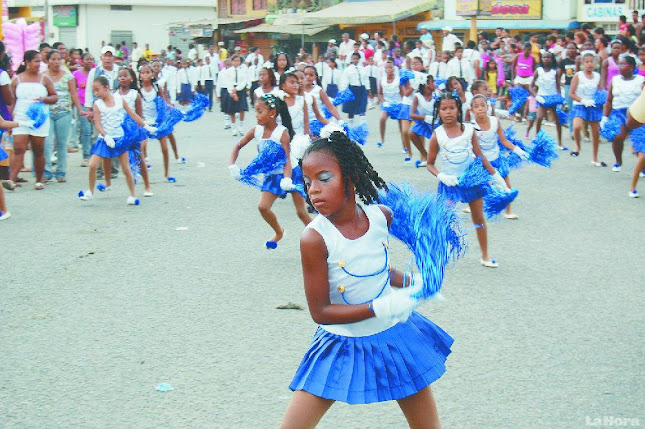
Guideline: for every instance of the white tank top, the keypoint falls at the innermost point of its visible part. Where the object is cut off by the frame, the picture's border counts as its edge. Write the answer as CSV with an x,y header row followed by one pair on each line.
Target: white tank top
x,y
297,113
625,91
357,270
130,98
149,106
275,138
546,82
391,90
259,92
488,139
310,98
112,117
586,87
456,154
424,106
315,93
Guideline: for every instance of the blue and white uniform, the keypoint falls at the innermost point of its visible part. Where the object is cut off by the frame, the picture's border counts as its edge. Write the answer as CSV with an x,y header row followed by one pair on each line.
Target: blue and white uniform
x,y
406,101
489,144
111,121
624,93
424,107
272,178
586,90
372,360
391,97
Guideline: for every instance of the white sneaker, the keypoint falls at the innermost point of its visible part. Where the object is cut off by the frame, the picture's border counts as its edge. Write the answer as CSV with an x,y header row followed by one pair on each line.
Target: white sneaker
x,y
616,168
489,264
641,174
180,160
85,196
148,194
5,216
633,194
234,132
133,201
598,164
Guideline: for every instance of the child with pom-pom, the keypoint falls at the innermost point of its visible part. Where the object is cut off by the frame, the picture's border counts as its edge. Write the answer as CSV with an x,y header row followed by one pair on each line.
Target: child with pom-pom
x,y
421,112
390,96
546,90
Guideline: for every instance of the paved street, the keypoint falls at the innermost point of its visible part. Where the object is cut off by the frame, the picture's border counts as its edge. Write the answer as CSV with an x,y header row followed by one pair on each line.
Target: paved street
x,y
101,302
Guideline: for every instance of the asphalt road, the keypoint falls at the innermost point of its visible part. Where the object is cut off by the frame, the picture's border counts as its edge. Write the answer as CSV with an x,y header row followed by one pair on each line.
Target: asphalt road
x,y
101,302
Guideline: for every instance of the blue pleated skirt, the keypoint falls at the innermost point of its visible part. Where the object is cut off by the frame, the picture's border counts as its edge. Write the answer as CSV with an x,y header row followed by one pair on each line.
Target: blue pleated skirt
x,y
461,194
223,100
332,90
422,128
101,149
271,183
185,92
390,365
358,105
638,139
392,110
241,105
589,114
404,112
501,166
298,179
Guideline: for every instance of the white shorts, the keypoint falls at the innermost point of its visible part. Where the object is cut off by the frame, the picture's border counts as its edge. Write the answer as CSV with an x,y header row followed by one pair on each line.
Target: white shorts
x,y
523,80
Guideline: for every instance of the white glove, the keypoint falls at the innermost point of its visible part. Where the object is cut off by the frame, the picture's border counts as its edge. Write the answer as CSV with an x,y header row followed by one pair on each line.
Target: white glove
x,y
588,102
540,99
26,124
398,304
286,184
109,141
603,121
499,182
234,170
150,128
448,179
429,119
521,153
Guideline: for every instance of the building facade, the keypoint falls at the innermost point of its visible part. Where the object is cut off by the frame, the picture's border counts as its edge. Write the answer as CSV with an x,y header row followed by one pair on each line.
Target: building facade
x,y
606,13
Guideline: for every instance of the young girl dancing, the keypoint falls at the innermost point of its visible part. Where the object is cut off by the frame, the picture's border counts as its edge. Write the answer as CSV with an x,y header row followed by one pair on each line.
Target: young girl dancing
x,y
421,112
488,130
277,182
456,144
408,89
547,84
312,86
370,345
267,82
584,85
109,112
390,94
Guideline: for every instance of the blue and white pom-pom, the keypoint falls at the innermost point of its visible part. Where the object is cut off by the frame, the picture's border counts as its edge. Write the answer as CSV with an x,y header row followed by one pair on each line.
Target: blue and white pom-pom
x,y
638,139
171,118
297,148
552,100
519,95
439,82
392,109
357,134
543,150
196,108
271,158
614,124
315,126
343,97
563,117
496,200
405,76
38,112
512,160
475,175
600,97
429,227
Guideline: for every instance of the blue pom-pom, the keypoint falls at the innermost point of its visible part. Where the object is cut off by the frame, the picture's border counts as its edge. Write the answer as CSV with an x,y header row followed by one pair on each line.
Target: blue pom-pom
x,y
270,158
519,95
600,97
315,126
439,82
544,149
405,76
162,109
325,111
495,201
357,134
137,202
343,97
134,159
563,117
614,124
38,113
429,227
512,160
638,139
552,100
271,244
475,175
100,187
170,118
196,108
392,109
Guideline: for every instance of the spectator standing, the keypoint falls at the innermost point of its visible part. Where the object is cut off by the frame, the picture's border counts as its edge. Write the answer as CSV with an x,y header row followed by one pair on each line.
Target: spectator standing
x,y
85,126
449,40
346,48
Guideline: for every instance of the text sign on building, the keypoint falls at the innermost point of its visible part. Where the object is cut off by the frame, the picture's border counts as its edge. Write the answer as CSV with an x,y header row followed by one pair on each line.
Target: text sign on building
x,y
603,12
65,16
512,9
467,7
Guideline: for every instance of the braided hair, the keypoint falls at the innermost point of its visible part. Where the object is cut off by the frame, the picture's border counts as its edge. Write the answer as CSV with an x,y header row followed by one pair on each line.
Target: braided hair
x,y
274,103
437,106
354,165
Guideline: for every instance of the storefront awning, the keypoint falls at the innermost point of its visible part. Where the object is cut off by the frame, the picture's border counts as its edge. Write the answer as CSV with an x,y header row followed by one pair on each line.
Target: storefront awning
x,y
492,24
360,12
226,21
307,30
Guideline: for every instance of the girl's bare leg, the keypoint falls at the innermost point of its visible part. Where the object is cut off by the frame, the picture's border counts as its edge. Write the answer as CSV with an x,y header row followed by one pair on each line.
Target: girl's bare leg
x,y
242,112
144,148
264,206
3,204
173,144
617,145
107,166
125,166
477,215
577,128
164,151
301,210
405,135
541,112
595,138
381,125
418,142
232,116
420,410
305,411
38,151
508,183
558,127
94,166
640,165
19,148
144,173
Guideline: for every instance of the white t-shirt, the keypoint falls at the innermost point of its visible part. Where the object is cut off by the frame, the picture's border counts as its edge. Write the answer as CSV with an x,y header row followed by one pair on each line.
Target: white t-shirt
x,y
4,78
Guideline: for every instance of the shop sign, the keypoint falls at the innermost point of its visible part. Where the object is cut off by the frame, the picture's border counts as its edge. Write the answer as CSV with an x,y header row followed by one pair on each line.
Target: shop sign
x,y
467,7
65,16
511,9
603,12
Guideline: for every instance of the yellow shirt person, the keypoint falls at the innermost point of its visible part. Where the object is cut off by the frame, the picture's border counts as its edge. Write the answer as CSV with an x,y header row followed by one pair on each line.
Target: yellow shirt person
x,y
147,53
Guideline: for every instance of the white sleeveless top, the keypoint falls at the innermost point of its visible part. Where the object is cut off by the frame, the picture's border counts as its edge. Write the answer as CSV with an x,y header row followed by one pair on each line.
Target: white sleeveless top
x,y
391,90
112,117
456,154
130,98
424,106
546,82
586,87
358,270
310,98
275,138
149,106
625,91
315,93
259,92
488,139
26,95
297,113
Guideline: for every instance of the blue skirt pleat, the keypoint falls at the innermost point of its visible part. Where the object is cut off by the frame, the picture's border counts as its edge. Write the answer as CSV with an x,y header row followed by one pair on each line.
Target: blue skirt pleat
x,y
422,128
298,179
101,149
390,365
358,105
501,166
223,100
404,112
392,110
332,90
271,184
241,105
461,194
590,114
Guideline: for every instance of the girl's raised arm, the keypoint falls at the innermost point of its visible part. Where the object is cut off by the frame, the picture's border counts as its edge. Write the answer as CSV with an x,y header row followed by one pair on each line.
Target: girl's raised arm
x,y
243,142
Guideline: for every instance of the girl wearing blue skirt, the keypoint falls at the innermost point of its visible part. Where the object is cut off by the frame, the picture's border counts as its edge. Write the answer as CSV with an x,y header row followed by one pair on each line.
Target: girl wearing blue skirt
x,y
370,346
109,112
584,85
489,131
421,112
456,144
355,78
408,89
277,170
390,94
331,79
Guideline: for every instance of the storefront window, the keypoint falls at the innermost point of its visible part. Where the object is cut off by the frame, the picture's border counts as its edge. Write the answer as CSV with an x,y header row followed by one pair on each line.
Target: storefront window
x,y
238,7
259,4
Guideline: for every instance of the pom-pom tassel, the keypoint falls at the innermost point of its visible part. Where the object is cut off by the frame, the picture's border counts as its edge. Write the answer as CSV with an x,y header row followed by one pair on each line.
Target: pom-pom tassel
x,y
162,109
271,158
613,125
38,112
600,97
429,227
196,108
134,158
475,175
638,139
512,160
343,97
315,126
172,118
552,101
518,96
358,133
405,76
563,117
495,201
544,149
